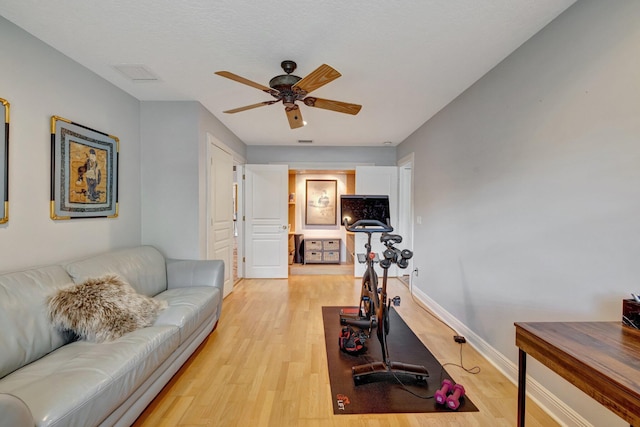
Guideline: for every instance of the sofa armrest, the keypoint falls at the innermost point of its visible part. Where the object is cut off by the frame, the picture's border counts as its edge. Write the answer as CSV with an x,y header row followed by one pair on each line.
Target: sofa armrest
x,y
15,412
186,273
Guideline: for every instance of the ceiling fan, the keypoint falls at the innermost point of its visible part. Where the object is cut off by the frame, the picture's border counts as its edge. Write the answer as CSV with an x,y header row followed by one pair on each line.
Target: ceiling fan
x,y
290,88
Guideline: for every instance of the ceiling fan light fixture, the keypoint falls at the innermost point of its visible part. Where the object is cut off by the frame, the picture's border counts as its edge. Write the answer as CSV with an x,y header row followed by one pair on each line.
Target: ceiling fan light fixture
x,y
288,99
284,81
288,66
289,88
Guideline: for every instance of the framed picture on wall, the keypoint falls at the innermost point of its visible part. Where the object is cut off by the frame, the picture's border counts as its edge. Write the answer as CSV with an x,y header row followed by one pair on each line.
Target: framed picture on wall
x,y
4,163
320,207
84,171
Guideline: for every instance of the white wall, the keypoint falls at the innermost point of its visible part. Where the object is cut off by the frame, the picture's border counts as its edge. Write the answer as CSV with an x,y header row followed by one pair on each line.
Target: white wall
x,y
174,172
170,177
528,186
40,82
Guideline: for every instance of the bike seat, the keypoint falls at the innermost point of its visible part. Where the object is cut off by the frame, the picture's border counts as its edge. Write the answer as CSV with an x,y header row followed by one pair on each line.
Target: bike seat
x,y
393,238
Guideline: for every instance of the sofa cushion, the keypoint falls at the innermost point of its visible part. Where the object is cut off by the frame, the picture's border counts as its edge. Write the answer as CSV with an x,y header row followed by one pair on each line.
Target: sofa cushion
x,y
102,309
27,334
81,383
188,308
143,267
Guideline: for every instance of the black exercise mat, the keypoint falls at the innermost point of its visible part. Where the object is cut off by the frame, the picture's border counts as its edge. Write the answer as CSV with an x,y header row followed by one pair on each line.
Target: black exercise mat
x,y
387,395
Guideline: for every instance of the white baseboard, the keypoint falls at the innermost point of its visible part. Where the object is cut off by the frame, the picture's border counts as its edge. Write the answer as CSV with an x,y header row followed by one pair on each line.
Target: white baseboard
x,y
543,397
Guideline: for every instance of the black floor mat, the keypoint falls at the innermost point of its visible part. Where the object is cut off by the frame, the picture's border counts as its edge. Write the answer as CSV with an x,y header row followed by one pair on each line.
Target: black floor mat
x,y
386,395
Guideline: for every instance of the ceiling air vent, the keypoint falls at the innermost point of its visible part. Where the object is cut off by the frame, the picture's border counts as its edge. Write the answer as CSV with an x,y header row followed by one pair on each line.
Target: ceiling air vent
x,y
137,73
305,141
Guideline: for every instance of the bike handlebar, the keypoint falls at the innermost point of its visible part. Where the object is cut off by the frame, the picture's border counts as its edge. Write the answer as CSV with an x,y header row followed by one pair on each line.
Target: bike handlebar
x,y
360,226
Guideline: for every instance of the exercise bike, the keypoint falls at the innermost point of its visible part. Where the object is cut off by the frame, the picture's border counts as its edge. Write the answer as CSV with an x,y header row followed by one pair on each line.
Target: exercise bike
x,y
373,311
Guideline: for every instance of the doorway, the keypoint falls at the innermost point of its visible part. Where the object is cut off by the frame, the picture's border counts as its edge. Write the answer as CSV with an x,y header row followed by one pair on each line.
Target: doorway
x,y
405,210
318,248
237,269
223,206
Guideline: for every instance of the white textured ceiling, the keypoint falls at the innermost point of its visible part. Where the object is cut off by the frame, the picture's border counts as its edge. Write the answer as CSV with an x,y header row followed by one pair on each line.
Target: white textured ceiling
x,y
402,60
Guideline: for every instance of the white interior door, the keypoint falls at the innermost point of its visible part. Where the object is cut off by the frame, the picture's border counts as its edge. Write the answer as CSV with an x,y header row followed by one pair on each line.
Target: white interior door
x,y
220,221
266,221
376,180
405,207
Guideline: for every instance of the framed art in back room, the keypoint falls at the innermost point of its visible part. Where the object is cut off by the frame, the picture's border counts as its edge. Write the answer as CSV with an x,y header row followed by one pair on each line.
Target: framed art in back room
x,y
84,171
320,208
4,163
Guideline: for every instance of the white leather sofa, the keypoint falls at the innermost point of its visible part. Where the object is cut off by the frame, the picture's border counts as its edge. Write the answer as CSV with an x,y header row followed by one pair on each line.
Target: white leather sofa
x,y
47,378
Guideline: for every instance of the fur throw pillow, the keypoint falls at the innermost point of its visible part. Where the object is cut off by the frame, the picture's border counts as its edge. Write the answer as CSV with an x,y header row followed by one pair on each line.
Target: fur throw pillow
x,y
102,309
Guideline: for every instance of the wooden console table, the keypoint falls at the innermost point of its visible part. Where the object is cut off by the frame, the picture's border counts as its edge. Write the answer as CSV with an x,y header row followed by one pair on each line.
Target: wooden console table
x,y
600,358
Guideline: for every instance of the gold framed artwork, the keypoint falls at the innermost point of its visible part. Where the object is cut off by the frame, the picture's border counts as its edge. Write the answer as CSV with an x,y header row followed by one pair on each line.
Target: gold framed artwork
x,y
84,171
320,207
4,163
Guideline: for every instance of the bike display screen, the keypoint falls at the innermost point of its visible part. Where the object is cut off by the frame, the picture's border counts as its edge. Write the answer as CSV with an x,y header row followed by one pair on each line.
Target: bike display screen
x,y
355,208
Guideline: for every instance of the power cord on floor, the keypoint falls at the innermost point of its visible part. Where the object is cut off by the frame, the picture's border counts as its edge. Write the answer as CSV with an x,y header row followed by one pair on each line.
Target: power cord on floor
x,y
457,337
474,371
442,371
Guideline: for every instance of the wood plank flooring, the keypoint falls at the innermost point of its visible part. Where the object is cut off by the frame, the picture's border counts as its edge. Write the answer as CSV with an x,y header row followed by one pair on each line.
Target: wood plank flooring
x,y
265,365
323,269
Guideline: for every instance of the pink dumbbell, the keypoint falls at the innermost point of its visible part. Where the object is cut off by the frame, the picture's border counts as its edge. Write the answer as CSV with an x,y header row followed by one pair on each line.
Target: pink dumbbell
x,y
453,400
441,394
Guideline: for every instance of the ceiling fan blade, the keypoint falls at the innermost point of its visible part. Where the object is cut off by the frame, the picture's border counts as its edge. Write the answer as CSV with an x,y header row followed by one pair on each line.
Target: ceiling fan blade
x,y
249,107
295,117
242,80
328,104
318,78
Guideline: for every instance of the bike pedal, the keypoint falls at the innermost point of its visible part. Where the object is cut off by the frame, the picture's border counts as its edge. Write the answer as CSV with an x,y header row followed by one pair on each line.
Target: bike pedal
x,y
396,301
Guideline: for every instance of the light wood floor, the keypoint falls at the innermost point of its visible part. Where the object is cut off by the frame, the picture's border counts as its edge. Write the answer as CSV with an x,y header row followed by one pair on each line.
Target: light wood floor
x,y
265,365
323,269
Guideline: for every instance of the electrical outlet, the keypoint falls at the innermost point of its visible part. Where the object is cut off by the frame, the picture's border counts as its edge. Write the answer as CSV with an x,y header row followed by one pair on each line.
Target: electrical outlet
x,y
459,339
